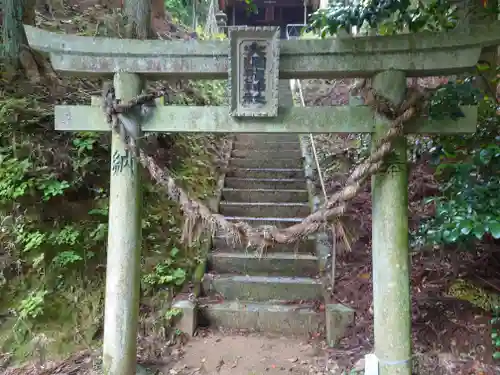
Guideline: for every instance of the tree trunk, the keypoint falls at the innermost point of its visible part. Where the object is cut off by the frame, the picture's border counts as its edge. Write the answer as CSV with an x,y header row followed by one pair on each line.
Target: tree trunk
x,y
29,7
13,34
139,18
158,9
19,59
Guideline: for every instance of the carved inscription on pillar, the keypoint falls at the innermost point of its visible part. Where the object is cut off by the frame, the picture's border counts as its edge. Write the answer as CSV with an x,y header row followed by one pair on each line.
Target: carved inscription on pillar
x,y
122,161
394,164
253,71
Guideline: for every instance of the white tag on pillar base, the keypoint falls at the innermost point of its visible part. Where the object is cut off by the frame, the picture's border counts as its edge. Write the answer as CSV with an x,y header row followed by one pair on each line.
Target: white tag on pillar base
x,y
371,364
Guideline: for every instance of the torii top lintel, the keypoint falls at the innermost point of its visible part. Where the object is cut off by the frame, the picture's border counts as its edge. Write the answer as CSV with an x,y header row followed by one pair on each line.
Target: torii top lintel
x,y
419,54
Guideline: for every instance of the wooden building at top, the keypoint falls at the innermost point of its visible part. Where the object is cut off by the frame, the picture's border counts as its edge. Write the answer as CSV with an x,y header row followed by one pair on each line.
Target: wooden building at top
x,y
269,12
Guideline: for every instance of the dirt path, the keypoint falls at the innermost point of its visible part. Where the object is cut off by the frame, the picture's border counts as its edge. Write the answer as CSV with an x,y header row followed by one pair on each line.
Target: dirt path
x,y
238,354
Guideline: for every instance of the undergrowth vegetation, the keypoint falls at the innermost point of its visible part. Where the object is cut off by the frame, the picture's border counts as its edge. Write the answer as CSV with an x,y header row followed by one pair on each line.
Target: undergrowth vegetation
x,y
464,214
54,198
54,190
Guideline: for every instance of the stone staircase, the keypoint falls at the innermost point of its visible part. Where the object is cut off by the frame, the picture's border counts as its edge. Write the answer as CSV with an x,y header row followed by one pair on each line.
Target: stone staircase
x,y
279,292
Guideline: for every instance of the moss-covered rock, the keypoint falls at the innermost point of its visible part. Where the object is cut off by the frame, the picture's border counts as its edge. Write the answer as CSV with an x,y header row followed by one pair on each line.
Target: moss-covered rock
x,y
467,291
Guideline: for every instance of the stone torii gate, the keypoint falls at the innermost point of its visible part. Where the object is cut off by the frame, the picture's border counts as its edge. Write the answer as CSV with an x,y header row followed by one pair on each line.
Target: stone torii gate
x,y
388,59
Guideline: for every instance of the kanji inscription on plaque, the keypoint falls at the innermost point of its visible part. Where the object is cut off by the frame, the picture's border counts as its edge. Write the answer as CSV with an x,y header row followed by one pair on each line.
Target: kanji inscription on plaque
x,y
253,71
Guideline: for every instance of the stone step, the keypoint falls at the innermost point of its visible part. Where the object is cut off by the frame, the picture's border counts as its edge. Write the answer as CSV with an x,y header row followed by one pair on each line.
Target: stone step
x,y
307,246
271,264
264,195
264,209
262,145
278,173
263,288
267,137
265,163
267,154
279,222
288,320
265,183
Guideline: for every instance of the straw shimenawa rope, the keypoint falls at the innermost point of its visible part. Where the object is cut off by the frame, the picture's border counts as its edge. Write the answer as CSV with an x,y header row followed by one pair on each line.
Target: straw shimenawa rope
x,y
198,218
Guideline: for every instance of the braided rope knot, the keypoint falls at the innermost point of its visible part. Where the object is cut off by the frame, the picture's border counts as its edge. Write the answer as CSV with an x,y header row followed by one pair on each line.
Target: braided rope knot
x,y
198,217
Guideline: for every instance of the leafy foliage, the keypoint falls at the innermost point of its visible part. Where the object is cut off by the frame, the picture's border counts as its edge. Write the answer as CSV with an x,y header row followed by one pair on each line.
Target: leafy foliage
x,y
469,207
166,273
447,99
386,16
467,166
180,10
495,332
